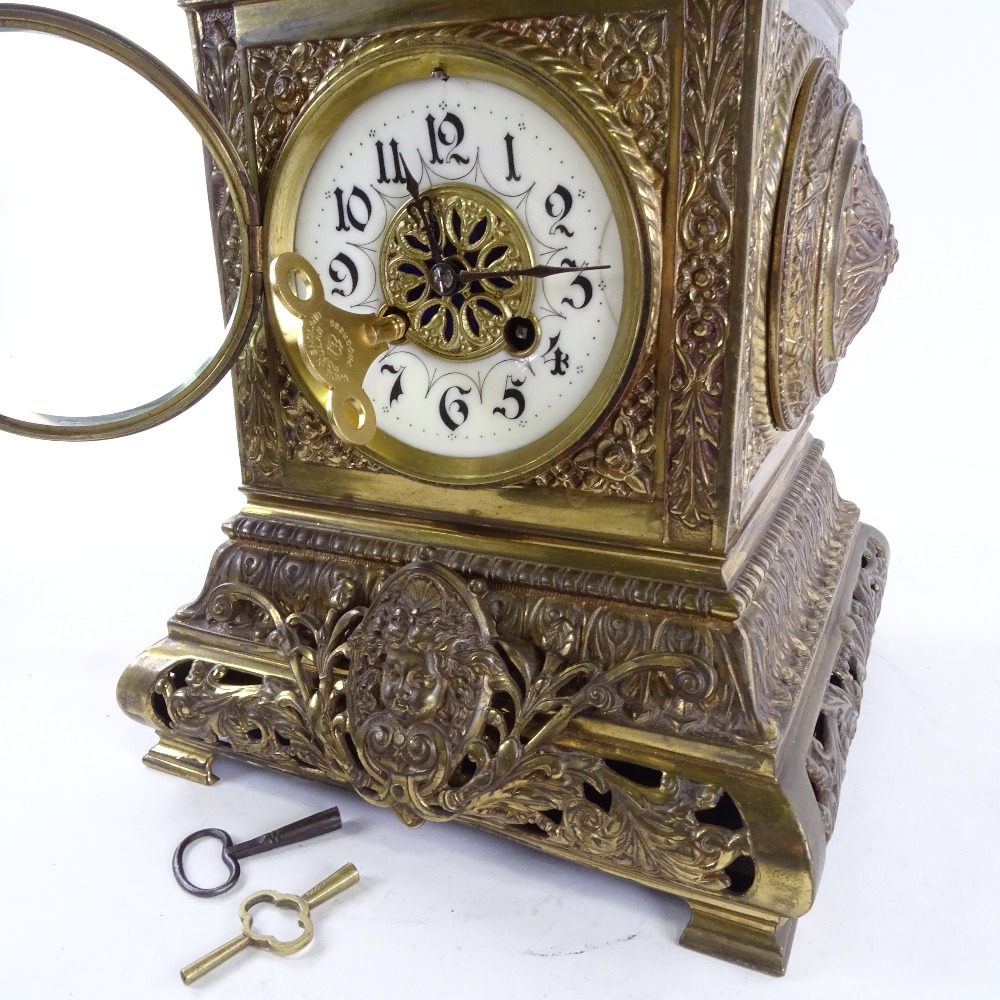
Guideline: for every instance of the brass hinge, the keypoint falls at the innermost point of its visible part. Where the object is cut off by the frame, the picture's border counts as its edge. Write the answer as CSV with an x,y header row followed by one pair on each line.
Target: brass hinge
x,y
255,249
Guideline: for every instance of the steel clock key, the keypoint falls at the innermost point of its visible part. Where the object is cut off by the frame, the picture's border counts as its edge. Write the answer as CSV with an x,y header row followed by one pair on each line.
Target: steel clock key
x,y
304,829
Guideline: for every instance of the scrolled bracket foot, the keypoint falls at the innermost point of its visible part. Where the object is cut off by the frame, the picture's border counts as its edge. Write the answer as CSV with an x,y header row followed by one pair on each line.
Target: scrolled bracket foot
x,y
182,759
753,938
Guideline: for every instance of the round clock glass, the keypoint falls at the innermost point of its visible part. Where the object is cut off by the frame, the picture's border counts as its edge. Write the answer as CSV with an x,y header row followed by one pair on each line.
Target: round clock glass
x,y
485,212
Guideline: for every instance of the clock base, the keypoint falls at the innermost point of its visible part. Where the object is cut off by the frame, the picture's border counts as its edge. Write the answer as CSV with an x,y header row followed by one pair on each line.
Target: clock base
x,y
694,742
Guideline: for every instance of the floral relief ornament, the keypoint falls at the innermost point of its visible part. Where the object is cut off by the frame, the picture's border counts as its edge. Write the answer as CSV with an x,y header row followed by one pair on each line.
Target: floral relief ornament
x,y
621,459
417,704
629,57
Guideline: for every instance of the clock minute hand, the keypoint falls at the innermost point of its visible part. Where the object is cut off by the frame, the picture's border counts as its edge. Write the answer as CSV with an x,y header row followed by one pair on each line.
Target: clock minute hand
x,y
539,271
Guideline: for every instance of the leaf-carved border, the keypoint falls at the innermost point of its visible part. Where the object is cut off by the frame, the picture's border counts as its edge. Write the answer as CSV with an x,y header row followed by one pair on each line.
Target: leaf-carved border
x,y
221,76
838,720
713,88
712,701
789,52
467,729
787,605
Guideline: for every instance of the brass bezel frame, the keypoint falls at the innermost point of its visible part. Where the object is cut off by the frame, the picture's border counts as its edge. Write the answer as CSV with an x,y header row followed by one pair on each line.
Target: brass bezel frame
x,y
560,90
245,205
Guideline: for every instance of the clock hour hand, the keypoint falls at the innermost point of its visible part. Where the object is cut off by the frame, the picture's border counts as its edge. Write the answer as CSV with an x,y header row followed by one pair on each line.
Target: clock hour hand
x,y
539,271
425,209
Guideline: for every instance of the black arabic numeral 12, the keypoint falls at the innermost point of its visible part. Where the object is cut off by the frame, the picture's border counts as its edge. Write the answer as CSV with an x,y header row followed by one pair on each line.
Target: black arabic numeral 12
x,y
455,411
558,205
354,211
447,136
512,392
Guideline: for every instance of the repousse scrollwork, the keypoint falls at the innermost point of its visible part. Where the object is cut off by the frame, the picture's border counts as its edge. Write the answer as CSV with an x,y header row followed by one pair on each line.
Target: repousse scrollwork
x,y
757,664
282,78
789,51
838,718
219,76
221,85
679,688
868,253
628,56
420,706
276,421
260,449
713,70
784,618
833,216
620,459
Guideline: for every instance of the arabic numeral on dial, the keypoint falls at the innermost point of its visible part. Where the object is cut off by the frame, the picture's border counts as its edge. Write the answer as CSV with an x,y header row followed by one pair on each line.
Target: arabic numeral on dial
x,y
512,174
354,211
398,177
344,274
512,394
446,136
585,285
397,387
558,205
555,358
453,409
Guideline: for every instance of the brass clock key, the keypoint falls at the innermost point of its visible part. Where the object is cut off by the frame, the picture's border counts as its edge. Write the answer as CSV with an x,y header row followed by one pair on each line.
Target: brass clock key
x,y
336,883
337,346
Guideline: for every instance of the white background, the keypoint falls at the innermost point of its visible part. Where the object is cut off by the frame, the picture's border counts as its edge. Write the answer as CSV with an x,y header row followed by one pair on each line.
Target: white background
x,y
102,542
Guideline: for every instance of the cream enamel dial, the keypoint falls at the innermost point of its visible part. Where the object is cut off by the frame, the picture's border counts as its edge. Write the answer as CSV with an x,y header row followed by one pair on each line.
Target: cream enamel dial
x,y
491,222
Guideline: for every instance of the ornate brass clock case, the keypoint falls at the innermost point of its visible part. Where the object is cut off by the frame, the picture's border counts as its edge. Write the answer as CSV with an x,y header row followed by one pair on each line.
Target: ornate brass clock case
x,y
636,638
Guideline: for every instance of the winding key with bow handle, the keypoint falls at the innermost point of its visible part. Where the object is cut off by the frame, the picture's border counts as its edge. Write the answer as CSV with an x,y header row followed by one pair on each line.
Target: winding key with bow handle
x,y
336,883
304,829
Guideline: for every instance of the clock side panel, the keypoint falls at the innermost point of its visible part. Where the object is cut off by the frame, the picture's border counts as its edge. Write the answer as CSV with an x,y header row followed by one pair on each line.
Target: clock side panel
x,y
693,456
821,248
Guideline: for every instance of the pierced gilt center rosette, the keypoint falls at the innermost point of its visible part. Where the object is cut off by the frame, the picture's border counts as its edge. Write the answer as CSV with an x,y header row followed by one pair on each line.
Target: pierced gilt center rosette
x,y
475,232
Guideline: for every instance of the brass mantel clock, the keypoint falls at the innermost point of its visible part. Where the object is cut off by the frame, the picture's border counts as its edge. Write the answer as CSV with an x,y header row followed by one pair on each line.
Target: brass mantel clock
x,y
531,305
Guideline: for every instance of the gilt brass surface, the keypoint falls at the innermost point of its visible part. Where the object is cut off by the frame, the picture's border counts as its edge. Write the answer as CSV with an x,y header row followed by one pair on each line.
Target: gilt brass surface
x,y
336,346
342,879
477,230
834,249
641,645
563,89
